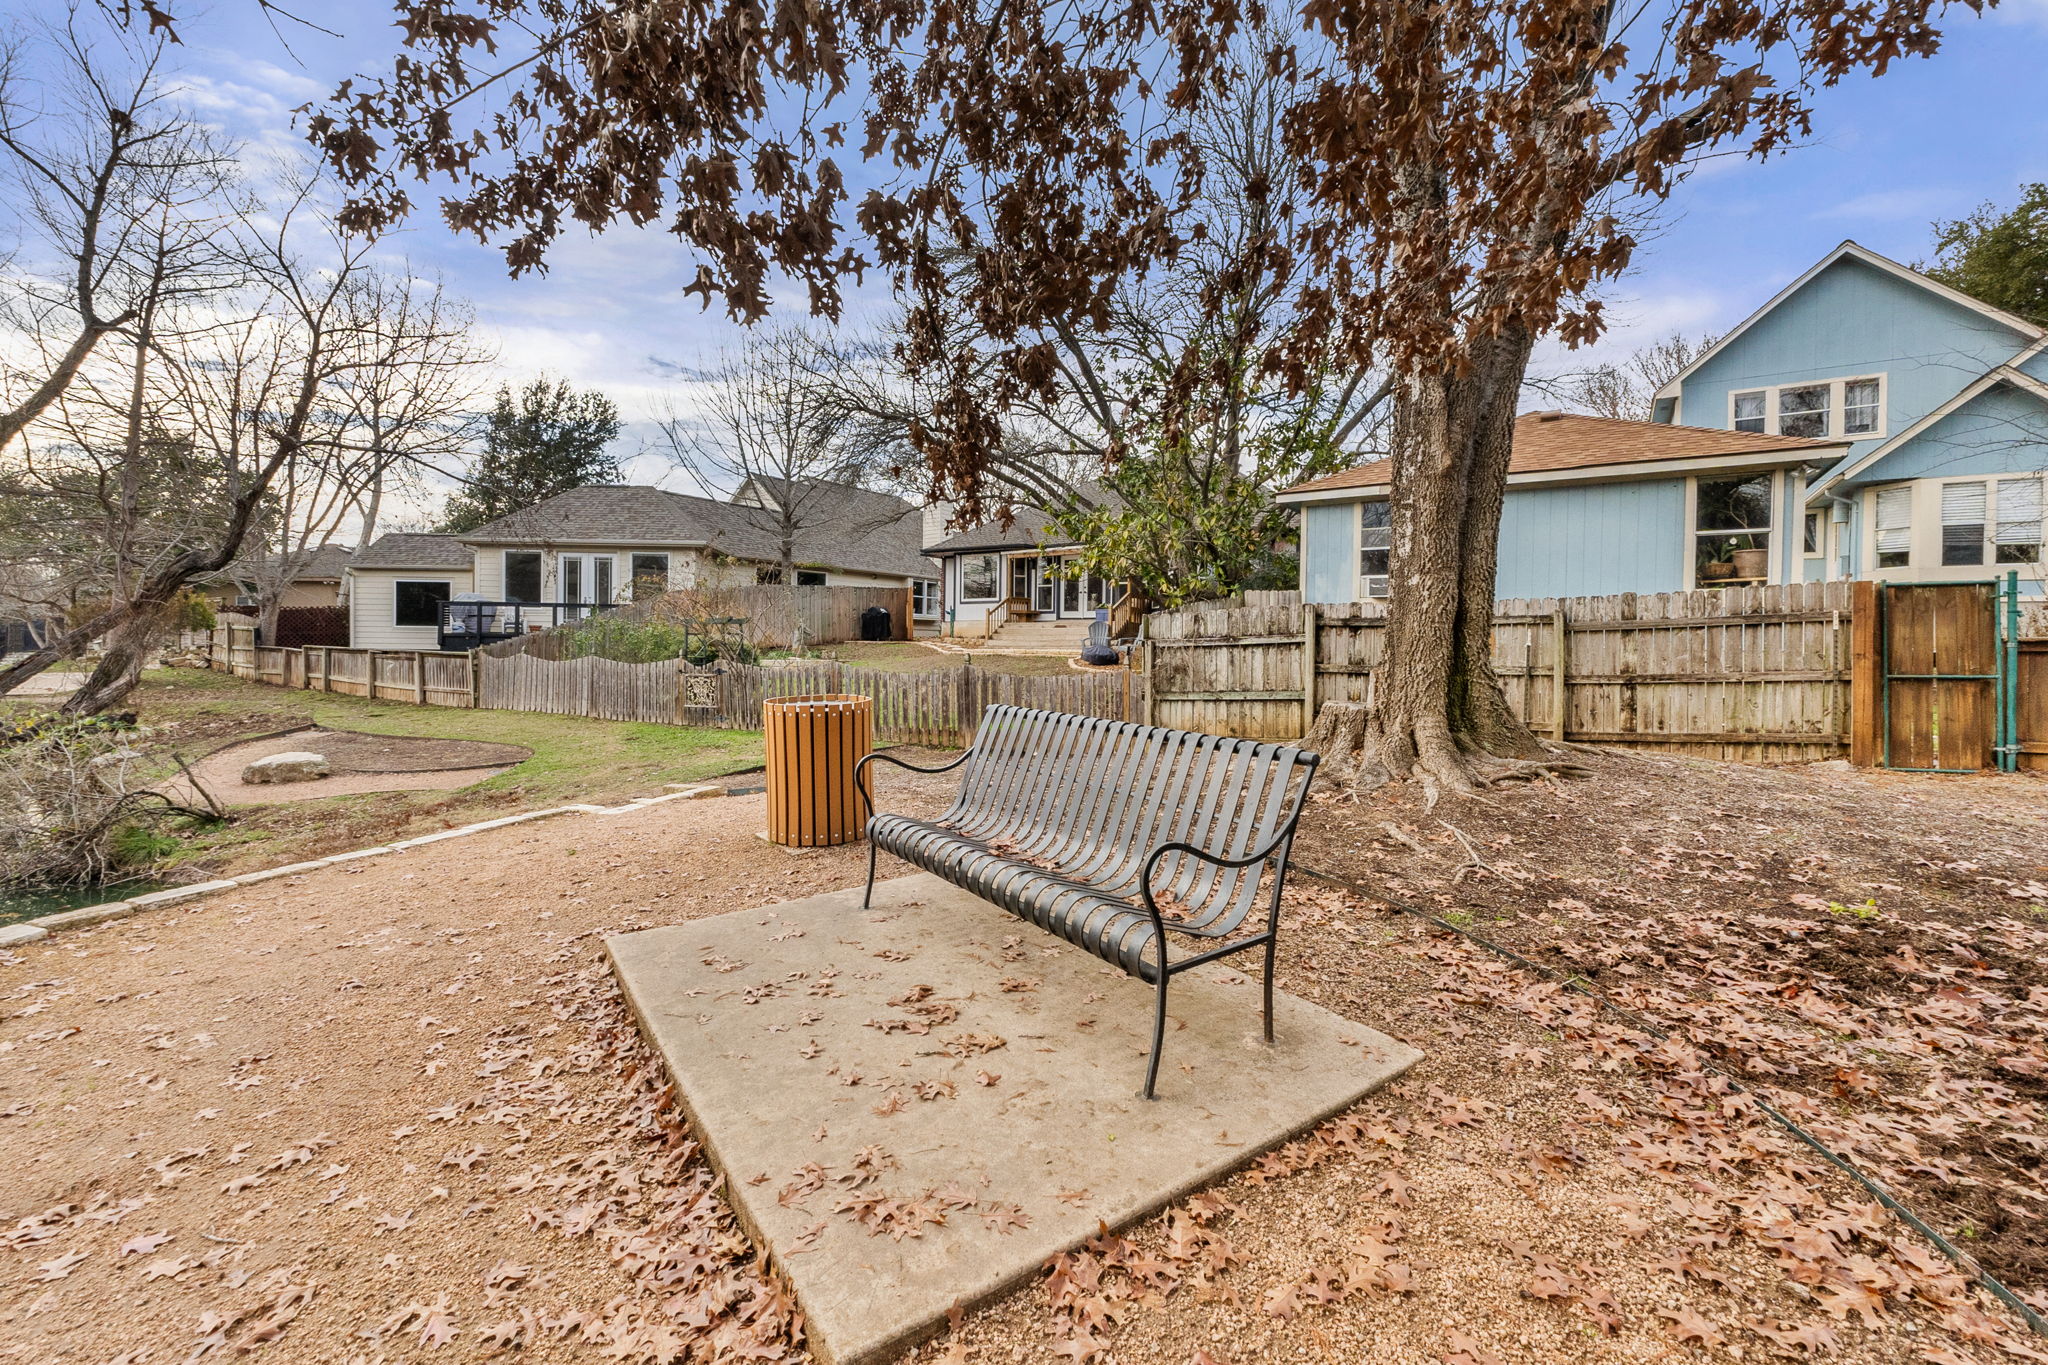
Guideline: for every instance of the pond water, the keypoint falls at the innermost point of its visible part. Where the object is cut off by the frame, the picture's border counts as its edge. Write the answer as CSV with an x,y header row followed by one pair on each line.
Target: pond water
x,y
16,906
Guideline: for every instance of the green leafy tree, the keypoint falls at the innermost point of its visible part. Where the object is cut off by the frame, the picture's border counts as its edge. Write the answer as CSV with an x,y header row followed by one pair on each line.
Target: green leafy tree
x,y
1999,255
545,439
1188,521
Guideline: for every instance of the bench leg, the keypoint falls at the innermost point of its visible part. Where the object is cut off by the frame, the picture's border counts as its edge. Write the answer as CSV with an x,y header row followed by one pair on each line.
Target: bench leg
x,y
868,896
1272,942
1158,1038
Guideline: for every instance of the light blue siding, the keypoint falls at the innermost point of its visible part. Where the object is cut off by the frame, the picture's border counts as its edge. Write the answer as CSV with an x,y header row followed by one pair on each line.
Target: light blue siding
x,y
1593,539
1329,573
2000,431
1853,319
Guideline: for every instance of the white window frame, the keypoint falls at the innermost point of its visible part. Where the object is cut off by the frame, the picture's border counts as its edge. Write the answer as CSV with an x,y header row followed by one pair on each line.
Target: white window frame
x,y
924,599
1994,487
1371,587
999,585
1875,527
505,573
1773,533
1837,406
397,583
1997,521
668,568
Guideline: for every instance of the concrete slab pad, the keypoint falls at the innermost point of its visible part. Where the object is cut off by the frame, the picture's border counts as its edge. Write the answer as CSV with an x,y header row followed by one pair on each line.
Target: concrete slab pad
x,y
859,1076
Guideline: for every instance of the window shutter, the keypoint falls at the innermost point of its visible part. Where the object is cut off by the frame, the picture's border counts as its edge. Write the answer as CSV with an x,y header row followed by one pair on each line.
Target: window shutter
x,y
1962,504
1895,521
2019,512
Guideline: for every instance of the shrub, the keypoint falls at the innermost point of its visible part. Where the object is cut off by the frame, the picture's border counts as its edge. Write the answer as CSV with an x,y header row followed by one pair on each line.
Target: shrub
x,y
637,641
73,804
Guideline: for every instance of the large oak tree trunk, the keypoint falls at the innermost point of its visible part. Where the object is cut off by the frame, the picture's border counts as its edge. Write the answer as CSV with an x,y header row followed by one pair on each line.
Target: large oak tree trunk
x,y
1438,713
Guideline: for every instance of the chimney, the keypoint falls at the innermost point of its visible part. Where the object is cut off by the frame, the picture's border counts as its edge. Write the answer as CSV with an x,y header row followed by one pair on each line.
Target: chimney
x,y
934,523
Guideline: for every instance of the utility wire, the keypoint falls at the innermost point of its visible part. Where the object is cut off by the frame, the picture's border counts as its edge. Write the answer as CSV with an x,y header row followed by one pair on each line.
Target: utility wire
x,y
1963,1260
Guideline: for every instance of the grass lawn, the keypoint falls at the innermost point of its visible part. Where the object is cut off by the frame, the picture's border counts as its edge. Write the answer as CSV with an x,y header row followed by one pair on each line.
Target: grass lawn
x,y
904,656
194,712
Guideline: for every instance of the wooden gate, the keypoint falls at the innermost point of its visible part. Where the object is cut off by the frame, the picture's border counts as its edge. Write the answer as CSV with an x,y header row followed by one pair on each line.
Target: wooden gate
x,y
1940,650
2031,706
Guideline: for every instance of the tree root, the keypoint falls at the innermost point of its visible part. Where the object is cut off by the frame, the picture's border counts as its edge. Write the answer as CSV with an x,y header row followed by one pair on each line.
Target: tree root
x,y
1361,757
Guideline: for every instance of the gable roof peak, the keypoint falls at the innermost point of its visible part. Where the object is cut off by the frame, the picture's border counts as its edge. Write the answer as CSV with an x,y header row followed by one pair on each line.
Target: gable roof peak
x,y
1851,249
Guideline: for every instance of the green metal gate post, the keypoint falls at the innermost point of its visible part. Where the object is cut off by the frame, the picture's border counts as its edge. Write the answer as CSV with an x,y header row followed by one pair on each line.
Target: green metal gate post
x,y
2007,748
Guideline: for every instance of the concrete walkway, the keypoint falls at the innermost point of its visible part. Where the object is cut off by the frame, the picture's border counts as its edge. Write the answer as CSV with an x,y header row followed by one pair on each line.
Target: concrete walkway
x,y
915,1106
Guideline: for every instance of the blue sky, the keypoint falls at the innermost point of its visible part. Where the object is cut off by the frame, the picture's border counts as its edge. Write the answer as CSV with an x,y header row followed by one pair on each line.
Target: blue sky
x,y
1930,140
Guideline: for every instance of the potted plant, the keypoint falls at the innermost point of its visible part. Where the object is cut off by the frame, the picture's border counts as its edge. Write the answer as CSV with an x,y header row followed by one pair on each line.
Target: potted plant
x,y
1752,563
1717,569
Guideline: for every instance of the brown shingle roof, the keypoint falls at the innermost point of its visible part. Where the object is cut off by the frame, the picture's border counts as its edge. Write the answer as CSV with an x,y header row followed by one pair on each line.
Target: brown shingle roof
x,y
1565,440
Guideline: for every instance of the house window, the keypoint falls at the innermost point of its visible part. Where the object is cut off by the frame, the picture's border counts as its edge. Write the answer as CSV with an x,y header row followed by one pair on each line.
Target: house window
x,y
650,575
1895,527
1854,407
924,598
1749,411
1804,411
1732,530
2018,538
522,576
1375,542
419,602
1962,523
1810,542
810,578
979,575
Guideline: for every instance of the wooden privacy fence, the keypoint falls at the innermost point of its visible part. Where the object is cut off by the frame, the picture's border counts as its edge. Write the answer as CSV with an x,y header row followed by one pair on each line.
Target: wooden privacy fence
x,y
828,615
601,688
1759,674
934,706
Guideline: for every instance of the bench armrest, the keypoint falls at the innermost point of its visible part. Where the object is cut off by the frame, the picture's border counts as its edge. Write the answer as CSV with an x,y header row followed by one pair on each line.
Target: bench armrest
x,y
860,772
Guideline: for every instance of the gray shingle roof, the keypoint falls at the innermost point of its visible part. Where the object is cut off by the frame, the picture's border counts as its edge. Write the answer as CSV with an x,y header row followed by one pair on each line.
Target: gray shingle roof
x,y
1030,528
327,562
406,550
844,528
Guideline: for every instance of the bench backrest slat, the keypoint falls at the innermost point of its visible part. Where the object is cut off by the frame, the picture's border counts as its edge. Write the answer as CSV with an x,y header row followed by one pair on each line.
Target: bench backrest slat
x,y
1094,797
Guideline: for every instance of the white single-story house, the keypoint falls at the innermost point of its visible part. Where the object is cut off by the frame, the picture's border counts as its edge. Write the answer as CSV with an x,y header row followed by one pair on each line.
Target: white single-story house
x,y
995,575
610,544
397,584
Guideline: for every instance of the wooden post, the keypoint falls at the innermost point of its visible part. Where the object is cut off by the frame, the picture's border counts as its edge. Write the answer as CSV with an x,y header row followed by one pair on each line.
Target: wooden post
x,y
475,680
1308,667
962,696
908,624
419,678
1151,685
1866,675
1560,703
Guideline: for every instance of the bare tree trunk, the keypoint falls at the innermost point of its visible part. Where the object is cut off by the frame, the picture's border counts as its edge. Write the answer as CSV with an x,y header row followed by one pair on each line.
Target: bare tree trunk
x,y
1438,712
120,667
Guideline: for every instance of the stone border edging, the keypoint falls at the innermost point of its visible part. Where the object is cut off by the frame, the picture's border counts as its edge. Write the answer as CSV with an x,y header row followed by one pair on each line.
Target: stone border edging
x,y
35,930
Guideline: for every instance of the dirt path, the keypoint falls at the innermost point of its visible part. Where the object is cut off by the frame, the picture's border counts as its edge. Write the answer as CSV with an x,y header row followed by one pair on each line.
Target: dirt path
x,y
390,1111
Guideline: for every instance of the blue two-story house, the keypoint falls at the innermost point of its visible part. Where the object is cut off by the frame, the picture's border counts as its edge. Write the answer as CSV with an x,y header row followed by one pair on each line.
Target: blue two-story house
x,y
1867,422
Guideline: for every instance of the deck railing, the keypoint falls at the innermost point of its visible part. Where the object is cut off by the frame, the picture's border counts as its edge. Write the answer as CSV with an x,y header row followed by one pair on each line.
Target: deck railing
x,y
465,625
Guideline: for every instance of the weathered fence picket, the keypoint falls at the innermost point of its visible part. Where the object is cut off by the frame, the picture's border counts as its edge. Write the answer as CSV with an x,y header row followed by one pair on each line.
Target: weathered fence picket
x,y
1760,674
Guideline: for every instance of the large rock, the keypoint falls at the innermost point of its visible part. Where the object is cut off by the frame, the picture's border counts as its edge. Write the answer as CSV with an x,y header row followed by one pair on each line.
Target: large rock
x,y
296,766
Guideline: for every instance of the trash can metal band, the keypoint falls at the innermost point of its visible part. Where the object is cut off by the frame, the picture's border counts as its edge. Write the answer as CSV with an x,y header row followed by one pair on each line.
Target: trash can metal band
x,y
813,745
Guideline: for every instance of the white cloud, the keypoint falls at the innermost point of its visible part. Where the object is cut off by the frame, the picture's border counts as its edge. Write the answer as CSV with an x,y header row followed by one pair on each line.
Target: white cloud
x,y
1880,206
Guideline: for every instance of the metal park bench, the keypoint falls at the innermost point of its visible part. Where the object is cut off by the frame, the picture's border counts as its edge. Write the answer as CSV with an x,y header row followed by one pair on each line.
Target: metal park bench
x,y
1122,839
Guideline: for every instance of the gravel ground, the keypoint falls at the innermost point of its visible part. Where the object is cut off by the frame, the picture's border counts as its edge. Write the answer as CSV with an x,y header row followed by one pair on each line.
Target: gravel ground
x,y
391,1111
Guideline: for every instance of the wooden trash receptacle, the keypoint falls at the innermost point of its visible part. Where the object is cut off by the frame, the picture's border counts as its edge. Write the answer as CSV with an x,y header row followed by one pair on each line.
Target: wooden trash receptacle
x,y
813,744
